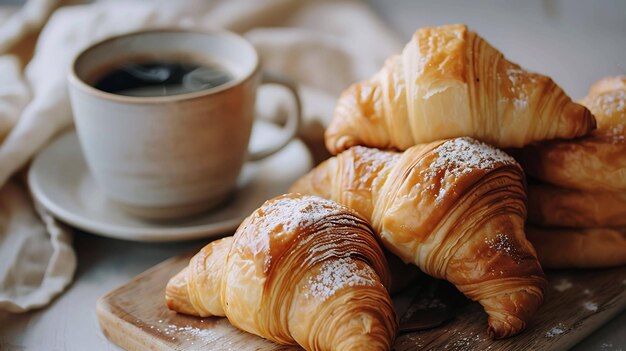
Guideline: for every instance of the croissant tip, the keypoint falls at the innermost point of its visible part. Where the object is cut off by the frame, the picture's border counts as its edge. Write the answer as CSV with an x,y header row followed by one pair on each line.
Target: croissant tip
x,y
588,118
500,332
171,293
170,302
504,326
593,123
579,119
176,295
337,145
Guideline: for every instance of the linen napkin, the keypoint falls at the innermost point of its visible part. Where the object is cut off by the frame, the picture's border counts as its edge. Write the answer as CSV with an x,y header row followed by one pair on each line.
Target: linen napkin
x,y
322,45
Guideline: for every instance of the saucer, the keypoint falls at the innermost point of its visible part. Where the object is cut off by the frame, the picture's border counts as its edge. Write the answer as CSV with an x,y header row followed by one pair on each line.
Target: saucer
x,y
60,181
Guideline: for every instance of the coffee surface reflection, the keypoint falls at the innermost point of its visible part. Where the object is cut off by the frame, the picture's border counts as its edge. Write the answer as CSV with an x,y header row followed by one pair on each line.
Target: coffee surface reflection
x,y
162,78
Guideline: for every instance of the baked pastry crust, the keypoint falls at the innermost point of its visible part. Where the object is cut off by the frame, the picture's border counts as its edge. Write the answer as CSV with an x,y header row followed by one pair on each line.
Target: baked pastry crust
x,y
300,269
551,206
596,162
456,209
579,248
449,82
195,289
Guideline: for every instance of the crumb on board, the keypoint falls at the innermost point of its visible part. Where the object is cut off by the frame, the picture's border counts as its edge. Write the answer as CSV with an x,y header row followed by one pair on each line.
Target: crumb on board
x,y
590,306
187,333
556,330
465,341
562,285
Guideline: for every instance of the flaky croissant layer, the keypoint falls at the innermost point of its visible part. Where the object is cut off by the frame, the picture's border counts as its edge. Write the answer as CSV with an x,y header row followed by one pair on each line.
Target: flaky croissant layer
x,y
579,247
456,209
596,162
299,270
449,82
555,207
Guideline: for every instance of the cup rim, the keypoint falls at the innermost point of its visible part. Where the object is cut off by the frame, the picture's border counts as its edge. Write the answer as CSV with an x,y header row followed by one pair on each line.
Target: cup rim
x,y
80,83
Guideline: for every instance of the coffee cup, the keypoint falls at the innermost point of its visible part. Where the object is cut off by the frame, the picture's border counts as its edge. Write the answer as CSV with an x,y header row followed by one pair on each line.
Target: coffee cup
x,y
179,153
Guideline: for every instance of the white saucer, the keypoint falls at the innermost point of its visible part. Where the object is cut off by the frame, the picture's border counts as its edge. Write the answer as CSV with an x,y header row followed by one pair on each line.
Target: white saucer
x,y
60,181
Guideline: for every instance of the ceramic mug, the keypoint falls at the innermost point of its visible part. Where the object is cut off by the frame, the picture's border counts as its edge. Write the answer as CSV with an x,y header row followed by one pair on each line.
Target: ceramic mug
x,y
170,156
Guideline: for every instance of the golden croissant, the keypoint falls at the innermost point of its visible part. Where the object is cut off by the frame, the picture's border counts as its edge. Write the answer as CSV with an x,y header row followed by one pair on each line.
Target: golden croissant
x,y
449,82
595,162
551,206
579,248
300,269
454,208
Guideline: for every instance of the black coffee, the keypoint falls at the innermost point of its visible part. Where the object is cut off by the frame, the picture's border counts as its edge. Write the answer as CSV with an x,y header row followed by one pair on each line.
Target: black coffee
x,y
161,78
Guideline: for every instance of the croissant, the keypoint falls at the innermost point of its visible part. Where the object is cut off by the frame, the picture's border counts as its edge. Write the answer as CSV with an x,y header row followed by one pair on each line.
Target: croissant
x,y
300,269
454,208
195,290
551,206
579,248
595,162
449,82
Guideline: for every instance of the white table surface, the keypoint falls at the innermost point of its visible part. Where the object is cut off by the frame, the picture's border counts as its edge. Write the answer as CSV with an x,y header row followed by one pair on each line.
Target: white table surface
x,y
575,42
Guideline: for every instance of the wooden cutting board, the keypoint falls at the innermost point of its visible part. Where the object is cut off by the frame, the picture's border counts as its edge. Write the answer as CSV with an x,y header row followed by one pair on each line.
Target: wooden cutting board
x,y
135,317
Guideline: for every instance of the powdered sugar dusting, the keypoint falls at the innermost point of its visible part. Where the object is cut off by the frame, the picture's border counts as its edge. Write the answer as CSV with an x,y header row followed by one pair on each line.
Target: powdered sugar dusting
x,y
609,346
503,243
462,155
610,110
613,102
413,338
465,340
285,215
563,285
338,273
514,74
288,213
521,101
370,163
616,133
556,331
590,306
518,77
374,158
188,333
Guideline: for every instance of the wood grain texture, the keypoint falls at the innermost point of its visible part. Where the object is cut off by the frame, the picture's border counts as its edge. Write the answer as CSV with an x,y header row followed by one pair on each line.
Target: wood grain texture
x,y
135,317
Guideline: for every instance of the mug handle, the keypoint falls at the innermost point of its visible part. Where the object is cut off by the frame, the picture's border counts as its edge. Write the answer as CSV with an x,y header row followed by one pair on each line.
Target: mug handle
x,y
293,120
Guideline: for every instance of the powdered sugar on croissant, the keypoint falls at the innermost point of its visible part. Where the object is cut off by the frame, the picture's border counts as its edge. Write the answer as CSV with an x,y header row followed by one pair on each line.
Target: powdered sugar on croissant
x,y
456,209
300,269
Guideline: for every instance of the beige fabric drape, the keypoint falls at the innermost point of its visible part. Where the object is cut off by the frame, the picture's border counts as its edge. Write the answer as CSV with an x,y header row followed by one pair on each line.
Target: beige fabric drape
x,y
322,45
